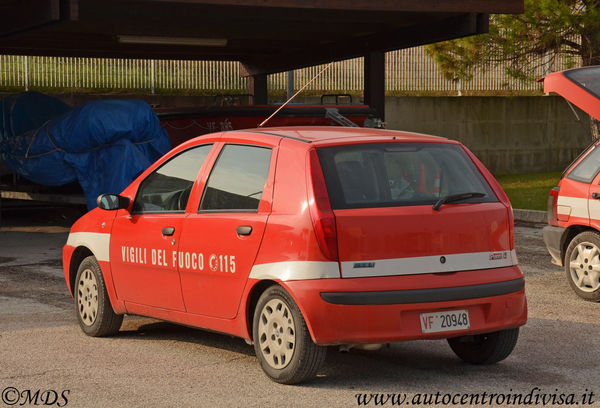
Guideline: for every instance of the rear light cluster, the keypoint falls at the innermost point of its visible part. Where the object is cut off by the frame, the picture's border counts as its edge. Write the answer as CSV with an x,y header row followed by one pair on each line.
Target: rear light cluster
x,y
551,208
321,213
511,227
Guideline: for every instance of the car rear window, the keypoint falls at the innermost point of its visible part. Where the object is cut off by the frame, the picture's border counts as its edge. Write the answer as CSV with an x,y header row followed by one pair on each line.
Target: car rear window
x,y
399,174
588,78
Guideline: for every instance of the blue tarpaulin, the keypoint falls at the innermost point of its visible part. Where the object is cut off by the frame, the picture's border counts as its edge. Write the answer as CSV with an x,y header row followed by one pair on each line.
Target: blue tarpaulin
x,y
102,144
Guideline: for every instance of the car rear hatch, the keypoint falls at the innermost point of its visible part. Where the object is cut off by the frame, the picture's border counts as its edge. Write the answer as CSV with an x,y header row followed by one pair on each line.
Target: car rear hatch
x,y
391,217
580,86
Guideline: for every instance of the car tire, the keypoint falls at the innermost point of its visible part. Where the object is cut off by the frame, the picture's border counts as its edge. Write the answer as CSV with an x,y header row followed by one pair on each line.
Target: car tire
x,y
488,348
582,265
282,341
94,311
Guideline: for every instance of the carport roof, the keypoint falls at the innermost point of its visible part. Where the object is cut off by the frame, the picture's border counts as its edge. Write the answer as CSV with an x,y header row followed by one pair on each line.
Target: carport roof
x,y
267,36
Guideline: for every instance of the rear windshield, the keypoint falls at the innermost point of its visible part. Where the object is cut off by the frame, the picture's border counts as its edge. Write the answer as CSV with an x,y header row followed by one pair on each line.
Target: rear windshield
x,y
588,78
399,174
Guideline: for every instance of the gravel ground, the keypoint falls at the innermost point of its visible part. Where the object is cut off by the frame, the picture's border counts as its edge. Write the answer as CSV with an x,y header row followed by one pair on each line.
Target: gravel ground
x,y
153,363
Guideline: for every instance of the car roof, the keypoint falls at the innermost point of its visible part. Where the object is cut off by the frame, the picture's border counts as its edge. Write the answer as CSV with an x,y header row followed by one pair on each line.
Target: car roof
x,y
318,135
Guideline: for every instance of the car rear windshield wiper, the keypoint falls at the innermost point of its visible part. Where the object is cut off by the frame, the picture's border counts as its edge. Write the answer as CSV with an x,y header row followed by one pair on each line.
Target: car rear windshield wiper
x,y
455,197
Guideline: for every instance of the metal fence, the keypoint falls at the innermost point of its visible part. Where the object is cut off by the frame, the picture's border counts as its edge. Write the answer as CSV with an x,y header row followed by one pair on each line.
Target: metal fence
x,y
407,71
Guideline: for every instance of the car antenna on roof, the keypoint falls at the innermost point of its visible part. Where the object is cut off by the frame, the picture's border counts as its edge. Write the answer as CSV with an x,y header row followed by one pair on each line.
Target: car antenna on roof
x,y
296,94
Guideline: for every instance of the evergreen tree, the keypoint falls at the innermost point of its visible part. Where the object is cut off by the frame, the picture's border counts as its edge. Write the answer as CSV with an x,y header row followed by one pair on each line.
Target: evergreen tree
x,y
547,29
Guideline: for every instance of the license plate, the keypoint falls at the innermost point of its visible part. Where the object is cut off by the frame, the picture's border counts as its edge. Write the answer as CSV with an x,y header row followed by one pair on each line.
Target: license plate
x,y
444,321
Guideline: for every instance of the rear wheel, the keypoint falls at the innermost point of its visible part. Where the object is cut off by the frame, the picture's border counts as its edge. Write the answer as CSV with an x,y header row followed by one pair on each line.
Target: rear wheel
x,y
94,312
582,265
282,342
488,348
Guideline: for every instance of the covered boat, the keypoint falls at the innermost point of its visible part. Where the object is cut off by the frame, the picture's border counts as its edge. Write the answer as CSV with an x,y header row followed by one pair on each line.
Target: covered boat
x,y
103,145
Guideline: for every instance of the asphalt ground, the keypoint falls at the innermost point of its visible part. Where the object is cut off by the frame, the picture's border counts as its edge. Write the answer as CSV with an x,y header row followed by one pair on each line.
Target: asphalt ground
x,y
151,363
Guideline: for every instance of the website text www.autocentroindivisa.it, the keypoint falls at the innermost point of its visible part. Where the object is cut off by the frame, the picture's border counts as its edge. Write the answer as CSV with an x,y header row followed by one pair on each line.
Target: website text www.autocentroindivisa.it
x,y
536,396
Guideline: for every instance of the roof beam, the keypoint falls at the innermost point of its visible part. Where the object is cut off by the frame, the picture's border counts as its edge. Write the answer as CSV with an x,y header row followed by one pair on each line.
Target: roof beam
x,y
438,6
26,15
454,27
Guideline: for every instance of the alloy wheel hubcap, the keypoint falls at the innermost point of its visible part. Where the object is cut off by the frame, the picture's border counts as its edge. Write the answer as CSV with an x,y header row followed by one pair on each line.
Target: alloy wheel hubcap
x,y
276,333
87,297
585,267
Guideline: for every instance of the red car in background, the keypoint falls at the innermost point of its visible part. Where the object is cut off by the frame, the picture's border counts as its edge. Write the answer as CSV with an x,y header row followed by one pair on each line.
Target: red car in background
x,y
228,113
573,234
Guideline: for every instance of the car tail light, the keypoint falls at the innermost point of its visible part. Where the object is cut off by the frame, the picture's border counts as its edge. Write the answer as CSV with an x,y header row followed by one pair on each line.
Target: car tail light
x,y
511,227
552,204
320,209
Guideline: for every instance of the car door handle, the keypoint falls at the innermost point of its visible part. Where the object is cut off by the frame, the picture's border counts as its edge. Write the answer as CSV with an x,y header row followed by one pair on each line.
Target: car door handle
x,y
596,195
168,231
244,230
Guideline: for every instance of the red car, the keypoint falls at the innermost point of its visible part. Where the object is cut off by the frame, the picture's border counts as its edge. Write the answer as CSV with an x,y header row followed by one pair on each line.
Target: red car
x,y
299,238
573,234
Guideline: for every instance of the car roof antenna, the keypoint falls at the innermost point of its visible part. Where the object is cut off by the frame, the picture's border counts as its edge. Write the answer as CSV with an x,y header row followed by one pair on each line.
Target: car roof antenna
x,y
296,94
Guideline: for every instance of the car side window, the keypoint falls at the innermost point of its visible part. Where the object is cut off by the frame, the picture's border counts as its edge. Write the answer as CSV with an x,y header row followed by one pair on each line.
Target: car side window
x,y
167,189
238,179
587,169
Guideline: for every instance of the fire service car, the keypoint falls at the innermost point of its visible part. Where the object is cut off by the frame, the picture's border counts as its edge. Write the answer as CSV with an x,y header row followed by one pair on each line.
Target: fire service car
x,y
573,234
300,238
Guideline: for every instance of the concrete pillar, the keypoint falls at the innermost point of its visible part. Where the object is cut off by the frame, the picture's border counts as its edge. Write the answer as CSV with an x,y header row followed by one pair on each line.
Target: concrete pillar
x,y
290,84
375,82
257,86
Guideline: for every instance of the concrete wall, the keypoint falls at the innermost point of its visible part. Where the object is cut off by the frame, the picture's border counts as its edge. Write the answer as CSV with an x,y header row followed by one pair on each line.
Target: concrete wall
x,y
508,134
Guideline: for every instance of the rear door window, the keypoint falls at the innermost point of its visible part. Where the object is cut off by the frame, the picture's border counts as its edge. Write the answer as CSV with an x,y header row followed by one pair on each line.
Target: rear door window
x,y
399,174
238,179
587,169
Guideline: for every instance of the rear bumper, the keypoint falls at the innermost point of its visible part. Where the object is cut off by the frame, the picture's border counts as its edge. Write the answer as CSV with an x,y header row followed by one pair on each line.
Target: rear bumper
x,y
553,238
401,297
342,311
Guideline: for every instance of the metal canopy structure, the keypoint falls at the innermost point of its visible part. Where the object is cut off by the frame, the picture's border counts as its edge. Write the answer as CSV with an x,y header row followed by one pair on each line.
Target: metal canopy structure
x,y
266,36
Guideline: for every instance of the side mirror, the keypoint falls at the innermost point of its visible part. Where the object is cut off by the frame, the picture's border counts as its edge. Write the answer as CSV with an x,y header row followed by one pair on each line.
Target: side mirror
x,y
111,202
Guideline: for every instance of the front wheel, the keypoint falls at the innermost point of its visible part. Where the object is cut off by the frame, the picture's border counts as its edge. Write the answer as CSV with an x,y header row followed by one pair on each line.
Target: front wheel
x,y
94,312
582,265
282,342
488,348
